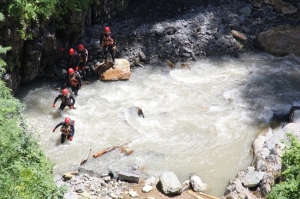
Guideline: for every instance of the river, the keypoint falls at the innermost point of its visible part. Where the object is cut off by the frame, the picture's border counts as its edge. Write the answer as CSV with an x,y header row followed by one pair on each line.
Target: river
x,y
201,120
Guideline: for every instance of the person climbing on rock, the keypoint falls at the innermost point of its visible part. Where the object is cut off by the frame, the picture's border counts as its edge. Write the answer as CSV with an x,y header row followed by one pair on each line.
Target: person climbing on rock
x,y
67,99
83,57
73,80
73,60
67,129
108,42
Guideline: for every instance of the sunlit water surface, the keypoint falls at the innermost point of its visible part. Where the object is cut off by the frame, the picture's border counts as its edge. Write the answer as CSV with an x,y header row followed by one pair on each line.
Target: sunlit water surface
x,y
201,120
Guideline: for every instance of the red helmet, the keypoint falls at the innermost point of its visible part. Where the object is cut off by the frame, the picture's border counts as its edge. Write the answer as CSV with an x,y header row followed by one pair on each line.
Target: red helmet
x,y
71,51
107,29
71,71
65,91
67,120
80,47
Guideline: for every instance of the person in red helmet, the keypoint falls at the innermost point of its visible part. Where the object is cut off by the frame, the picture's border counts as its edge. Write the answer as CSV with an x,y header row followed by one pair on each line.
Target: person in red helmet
x,y
67,129
73,80
67,99
108,42
83,57
74,59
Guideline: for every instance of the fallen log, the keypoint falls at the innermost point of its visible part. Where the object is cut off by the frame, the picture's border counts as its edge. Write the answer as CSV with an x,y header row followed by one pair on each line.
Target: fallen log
x,y
194,194
109,149
85,157
207,196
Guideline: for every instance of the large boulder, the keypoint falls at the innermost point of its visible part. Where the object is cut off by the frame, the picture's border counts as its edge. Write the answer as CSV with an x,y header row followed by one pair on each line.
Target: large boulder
x,y
118,71
278,5
281,40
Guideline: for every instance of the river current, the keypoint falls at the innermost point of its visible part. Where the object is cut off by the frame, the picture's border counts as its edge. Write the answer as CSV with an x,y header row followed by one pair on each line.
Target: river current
x,y
201,120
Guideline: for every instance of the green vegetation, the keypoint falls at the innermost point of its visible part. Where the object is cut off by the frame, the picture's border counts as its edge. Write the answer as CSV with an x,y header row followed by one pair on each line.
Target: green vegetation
x,y
32,13
290,187
25,171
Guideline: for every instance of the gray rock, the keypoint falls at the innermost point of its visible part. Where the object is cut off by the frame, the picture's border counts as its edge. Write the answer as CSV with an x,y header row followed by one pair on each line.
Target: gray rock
x,y
245,11
79,188
147,188
252,178
170,183
197,183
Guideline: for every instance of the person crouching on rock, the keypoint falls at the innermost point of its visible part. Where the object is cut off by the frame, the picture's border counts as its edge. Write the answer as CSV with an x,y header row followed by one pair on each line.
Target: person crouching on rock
x,y
67,99
67,129
73,80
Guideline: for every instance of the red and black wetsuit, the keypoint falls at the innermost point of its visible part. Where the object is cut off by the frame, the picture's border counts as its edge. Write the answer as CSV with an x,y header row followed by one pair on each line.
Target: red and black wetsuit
x,y
65,100
83,55
74,81
63,135
74,61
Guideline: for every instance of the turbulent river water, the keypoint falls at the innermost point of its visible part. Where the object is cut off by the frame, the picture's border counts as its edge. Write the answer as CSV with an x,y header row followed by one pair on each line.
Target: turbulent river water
x,y
201,120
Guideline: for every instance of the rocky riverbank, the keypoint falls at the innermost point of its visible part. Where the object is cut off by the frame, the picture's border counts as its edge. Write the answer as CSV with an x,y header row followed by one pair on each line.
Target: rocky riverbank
x,y
181,32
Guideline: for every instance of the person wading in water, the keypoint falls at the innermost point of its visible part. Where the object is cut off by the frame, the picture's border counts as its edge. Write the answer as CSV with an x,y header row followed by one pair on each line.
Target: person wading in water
x,y
67,99
73,80
67,129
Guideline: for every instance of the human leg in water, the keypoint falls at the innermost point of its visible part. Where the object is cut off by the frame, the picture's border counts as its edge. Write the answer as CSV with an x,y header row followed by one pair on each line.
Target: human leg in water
x,y
75,90
62,138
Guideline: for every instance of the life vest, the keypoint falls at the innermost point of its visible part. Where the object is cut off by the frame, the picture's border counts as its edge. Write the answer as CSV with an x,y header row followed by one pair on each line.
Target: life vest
x,y
66,99
66,129
73,80
107,40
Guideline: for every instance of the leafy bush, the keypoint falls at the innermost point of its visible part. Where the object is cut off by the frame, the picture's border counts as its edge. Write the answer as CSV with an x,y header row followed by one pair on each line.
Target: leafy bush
x,y
34,12
2,50
25,171
290,187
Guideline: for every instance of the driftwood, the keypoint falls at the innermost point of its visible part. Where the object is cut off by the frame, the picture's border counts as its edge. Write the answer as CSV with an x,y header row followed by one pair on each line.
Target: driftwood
x,y
203,195
86,156
110,149
194,194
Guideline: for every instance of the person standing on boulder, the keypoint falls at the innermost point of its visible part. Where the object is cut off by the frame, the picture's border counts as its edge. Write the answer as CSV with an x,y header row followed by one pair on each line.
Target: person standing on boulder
x,y
108,42
67,129
67,99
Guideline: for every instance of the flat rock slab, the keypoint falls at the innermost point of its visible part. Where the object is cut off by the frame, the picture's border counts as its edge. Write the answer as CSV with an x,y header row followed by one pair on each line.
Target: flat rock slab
x,y
129,177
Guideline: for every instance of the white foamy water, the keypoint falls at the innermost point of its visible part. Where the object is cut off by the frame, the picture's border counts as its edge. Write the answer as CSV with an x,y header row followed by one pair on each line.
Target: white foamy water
x,y
201,120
